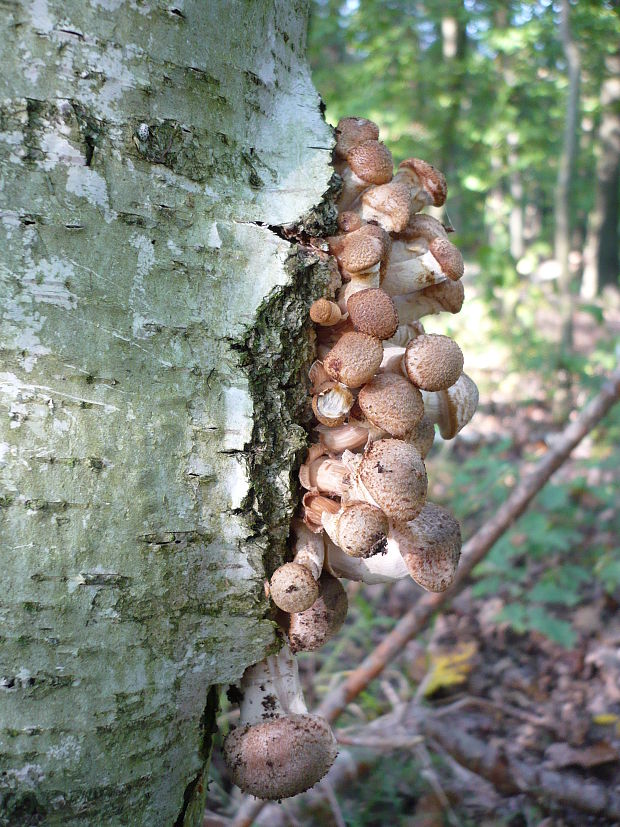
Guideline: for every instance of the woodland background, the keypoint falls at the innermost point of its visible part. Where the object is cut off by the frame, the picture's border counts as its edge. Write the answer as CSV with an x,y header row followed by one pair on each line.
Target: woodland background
x,y
519,104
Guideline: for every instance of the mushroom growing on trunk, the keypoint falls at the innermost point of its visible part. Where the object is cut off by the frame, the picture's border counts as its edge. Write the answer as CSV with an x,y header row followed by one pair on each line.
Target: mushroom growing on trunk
x,y
278,750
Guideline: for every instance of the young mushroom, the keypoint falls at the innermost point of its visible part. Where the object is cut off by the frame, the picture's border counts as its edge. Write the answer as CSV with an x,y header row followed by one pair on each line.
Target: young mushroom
x,y
350,132
373,312
358,528
311,629
366,164
427,185
391,403
325,313
293,586
433,362
354,359
278,750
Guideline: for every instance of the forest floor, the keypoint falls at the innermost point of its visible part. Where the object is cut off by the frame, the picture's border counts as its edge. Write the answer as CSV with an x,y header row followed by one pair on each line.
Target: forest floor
x,y
507,710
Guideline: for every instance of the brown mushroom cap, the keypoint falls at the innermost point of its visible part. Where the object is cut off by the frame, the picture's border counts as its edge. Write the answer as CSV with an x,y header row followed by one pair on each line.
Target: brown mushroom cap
x,y
353,131
354,359
371,162
359,529
360,249
422,436
393,472
293,588
324,312
389,204
312,628
373,312
280,758
433,362
391,403
449,257
431,546
430,179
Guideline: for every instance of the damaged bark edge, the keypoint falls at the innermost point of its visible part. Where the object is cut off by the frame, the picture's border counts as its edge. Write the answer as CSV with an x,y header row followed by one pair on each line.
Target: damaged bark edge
x,y
276,354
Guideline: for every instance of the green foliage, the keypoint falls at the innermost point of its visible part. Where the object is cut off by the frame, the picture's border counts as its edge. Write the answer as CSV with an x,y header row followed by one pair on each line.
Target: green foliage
x,y
487,107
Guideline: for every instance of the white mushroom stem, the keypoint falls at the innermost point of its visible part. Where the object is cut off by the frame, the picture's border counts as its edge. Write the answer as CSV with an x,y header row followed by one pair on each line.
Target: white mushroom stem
x,y
309,549
271,689
412,274
381,568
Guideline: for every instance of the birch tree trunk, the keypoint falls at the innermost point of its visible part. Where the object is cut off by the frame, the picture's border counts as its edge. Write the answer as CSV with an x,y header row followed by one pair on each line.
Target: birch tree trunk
x,y
153,345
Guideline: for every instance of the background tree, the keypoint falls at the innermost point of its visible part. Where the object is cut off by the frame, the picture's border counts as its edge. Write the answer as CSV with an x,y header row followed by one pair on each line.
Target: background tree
x,y
152,341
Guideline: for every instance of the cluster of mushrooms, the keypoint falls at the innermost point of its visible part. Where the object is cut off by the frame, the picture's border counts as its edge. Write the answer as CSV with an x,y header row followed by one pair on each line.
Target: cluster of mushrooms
x,y
379,386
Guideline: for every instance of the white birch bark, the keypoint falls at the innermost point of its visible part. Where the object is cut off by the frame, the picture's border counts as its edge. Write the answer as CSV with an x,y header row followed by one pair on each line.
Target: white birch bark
x,y
151,338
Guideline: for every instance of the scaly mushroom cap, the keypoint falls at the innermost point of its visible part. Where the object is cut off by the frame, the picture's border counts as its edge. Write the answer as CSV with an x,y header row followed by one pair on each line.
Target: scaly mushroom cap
x,y
428,178
311,629
388,204
393,473
354,359
332,404
359,529
349,221
373,312
280,758
371,162
361,249
353,131
430,545
293,588
457,405
422,436
391,403
449,257
433,362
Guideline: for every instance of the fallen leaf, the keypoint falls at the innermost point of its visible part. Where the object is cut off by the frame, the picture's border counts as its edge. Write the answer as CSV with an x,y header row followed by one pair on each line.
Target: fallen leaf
x,y
449,668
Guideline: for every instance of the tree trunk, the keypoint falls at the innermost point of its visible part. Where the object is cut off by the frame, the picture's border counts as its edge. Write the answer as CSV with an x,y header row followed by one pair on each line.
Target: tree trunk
x,y
566,171
153,343
601,256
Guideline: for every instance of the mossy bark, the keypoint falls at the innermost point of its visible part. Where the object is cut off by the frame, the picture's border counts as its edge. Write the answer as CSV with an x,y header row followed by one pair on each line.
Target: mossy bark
x,y
153,349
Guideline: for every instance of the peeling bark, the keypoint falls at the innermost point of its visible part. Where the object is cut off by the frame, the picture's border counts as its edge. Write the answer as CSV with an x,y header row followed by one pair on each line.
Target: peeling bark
x,y
153,346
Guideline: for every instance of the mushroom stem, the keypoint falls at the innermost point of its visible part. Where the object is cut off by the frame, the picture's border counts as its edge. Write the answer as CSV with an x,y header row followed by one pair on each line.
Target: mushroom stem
x,y
270,689
385,567
279,750
412,274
